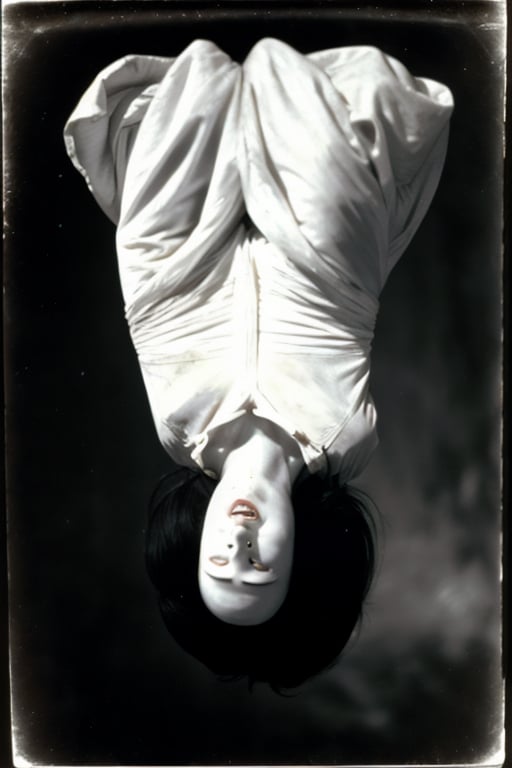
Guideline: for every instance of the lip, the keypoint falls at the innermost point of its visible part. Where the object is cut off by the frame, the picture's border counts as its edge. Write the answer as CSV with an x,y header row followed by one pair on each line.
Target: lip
x,y
249,513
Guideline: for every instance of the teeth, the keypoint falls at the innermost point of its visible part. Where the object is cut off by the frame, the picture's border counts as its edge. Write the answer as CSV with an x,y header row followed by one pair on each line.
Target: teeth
x,y
243,509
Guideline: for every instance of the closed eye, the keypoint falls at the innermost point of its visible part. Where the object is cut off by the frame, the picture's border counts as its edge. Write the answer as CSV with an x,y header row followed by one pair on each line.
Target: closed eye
x,y
217,560
257,565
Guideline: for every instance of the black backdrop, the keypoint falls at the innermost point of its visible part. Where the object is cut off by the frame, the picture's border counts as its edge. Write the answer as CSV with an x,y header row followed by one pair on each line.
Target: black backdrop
x,y
95,677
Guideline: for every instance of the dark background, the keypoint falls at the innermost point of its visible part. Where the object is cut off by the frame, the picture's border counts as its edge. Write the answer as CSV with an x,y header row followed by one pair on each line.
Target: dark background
x,y
96,679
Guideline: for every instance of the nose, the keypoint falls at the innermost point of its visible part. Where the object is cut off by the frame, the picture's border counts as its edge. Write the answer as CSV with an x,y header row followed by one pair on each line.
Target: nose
x,y
239,542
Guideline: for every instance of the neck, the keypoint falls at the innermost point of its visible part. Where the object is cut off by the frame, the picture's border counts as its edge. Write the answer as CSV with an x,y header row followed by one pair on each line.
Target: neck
x,y
259,447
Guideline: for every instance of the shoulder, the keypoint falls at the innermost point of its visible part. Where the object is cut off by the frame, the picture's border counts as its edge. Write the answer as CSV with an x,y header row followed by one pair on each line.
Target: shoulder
x,y
352,449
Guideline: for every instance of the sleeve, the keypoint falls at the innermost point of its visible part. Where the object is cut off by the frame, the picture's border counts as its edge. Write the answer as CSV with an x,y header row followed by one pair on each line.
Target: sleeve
x,y
154,139
340,153
402,123
100,131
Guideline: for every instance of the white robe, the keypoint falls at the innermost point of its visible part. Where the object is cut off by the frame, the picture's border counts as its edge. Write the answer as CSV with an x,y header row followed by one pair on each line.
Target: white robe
x,y
335,157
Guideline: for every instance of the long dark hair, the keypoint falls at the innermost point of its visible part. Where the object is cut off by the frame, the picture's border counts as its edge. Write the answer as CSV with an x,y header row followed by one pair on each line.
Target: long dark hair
x,y
333,565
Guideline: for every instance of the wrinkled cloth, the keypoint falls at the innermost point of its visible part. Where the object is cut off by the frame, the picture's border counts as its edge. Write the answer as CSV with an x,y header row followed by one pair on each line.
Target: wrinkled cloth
x,y
260,208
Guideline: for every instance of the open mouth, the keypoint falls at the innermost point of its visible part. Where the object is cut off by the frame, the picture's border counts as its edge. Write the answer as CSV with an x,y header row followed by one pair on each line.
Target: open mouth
x,y
244,510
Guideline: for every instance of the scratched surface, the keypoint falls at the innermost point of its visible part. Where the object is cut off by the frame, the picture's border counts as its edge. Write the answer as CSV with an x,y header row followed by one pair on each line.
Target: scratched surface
x,y
95,676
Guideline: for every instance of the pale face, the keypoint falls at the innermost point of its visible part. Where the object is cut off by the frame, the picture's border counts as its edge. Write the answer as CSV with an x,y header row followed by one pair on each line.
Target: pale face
x,y
246,551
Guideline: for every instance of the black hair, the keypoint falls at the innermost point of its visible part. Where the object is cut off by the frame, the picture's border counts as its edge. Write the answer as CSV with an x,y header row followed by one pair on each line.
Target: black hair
x,y
332,569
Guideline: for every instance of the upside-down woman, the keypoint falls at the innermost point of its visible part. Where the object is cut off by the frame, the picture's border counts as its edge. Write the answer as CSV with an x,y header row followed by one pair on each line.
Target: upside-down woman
x,y
260,208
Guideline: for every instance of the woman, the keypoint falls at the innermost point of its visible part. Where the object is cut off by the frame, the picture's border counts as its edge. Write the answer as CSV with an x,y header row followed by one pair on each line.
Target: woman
x,y
259,210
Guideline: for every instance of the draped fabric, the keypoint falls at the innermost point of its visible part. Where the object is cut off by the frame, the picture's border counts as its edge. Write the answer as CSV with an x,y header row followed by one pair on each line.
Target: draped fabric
x,y
260,208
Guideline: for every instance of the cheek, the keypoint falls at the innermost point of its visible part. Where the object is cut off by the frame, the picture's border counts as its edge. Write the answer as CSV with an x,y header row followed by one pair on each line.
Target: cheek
x,y
209,543
278,534
276,550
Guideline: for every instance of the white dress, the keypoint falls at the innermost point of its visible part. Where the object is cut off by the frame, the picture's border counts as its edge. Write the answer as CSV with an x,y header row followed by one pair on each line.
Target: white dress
x,y
335,157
